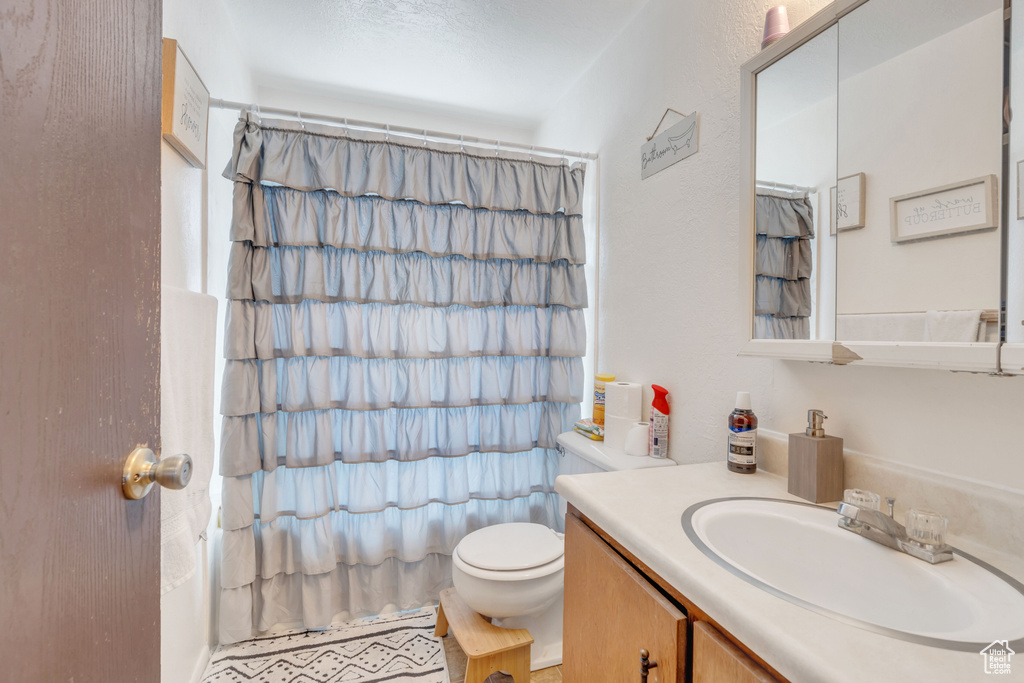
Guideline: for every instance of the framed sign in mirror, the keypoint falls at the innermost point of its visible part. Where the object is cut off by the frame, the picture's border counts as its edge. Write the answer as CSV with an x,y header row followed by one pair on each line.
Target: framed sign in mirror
x,y
847,198
967,206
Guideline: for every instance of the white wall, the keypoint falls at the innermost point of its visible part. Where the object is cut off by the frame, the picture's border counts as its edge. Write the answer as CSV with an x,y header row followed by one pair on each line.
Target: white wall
x,y
672,287
442,121
189,216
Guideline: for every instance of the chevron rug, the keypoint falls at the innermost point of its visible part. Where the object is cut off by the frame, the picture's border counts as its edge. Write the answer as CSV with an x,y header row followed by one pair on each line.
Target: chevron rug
x,y
396,648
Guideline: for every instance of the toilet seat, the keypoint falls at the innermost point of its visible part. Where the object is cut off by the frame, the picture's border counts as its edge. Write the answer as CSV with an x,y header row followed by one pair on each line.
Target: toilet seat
x,y
511,547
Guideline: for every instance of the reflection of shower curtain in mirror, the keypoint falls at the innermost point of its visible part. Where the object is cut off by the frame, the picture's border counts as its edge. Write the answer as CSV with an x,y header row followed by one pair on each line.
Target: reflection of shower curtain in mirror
x,y
782,266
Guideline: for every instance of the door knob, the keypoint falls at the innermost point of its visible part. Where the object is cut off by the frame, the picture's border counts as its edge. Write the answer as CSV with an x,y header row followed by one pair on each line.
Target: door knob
x,y
142,470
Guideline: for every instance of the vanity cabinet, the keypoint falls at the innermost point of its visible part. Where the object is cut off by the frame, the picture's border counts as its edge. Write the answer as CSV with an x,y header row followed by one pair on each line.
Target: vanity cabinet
x,y
612,612
615,607
716,659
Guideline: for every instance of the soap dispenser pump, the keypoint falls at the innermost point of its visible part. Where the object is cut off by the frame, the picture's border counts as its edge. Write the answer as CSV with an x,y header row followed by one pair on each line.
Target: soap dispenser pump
x,y
816,462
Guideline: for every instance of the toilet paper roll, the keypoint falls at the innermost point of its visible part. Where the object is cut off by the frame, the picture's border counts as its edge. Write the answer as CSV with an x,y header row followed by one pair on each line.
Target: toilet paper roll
x,y
621,411
615,431
623,399
638,439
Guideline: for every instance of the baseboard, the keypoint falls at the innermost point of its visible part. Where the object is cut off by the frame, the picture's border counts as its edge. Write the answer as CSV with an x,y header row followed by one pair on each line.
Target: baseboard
x,y
201,664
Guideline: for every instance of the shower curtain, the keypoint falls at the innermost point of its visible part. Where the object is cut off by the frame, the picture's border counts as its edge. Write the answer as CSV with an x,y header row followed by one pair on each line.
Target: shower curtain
x,y
404,343
782,267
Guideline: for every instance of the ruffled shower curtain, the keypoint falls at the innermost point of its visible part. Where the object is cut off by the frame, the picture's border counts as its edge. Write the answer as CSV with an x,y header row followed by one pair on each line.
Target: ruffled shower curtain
x,y
404,343
782,267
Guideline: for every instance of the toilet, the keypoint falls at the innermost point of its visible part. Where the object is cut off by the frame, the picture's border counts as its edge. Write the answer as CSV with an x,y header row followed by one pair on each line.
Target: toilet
x,y
513,573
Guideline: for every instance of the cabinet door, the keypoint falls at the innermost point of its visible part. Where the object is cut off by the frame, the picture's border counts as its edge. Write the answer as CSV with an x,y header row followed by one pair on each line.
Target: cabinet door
x,y
611,613
717,660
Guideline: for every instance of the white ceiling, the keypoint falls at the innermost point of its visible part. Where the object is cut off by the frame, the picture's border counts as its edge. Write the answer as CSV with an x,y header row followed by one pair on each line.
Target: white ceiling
x,y
504,60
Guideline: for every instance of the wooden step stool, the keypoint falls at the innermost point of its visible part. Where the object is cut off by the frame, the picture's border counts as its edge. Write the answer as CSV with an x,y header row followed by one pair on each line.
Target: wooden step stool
x,y
489,648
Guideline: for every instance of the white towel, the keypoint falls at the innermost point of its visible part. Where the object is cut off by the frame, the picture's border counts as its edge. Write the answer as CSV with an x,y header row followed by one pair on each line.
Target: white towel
x,y
953,326
881,327
188,328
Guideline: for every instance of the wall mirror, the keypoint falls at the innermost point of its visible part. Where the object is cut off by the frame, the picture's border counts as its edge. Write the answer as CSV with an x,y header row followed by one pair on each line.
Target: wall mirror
x,y
1012,352
873,140
795,157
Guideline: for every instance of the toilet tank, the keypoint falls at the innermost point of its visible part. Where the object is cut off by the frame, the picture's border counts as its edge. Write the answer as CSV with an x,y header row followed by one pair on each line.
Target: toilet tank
x,y
581,455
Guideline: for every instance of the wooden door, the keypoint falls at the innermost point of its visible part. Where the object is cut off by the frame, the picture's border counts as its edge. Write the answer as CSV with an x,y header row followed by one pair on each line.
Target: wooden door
x,y
611,613
79,338
717,660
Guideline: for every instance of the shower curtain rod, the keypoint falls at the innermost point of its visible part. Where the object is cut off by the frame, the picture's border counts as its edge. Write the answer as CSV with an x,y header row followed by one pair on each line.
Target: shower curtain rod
x,y
766,185
418,133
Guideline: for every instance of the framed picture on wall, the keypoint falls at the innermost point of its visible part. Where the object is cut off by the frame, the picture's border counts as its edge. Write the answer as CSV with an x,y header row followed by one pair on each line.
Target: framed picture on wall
x,y
967,206
849,203
186,106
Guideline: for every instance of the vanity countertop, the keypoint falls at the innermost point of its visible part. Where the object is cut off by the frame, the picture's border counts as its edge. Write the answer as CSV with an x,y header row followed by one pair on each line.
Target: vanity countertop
x,y
641,509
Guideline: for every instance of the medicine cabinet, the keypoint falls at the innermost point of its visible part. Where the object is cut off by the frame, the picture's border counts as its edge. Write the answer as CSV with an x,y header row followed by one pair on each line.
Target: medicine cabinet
x,y
878,179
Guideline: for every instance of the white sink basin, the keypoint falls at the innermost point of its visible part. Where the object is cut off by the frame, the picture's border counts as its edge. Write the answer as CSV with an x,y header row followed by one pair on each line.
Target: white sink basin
x,y
797,552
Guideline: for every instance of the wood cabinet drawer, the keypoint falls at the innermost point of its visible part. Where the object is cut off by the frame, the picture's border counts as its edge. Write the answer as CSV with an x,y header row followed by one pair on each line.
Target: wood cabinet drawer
x,y
716,659
611,613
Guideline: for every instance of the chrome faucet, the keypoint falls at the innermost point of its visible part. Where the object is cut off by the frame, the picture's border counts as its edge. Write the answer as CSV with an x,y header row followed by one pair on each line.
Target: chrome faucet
x,y
924,540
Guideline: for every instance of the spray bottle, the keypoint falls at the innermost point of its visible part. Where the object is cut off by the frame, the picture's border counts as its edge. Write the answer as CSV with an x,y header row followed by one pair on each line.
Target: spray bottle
x,y
659,423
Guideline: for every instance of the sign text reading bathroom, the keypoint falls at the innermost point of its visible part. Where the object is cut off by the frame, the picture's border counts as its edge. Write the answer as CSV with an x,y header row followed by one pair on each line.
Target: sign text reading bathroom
x,y
672,145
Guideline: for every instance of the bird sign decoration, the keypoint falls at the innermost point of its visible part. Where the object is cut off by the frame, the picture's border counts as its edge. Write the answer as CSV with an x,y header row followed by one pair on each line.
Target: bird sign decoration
x,y
672,145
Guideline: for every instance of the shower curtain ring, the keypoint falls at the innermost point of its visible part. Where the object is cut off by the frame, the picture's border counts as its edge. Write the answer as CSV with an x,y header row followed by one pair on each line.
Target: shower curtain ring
x,y
301,124
531,152
462,143
424,137
387,132
497,146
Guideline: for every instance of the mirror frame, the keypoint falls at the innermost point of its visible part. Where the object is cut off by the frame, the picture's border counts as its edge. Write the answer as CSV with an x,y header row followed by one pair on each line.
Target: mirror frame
x,y
970,357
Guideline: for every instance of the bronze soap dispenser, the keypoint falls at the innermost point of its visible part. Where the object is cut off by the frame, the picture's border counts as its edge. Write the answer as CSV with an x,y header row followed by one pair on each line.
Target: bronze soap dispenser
x,y
816,462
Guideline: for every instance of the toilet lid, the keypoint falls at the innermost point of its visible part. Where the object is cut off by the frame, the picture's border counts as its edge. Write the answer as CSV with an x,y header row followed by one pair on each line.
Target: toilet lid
x,y
511,546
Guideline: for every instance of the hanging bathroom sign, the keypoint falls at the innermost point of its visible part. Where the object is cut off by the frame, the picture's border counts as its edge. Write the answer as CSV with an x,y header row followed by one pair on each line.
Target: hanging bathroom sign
x,y
672,145
186,106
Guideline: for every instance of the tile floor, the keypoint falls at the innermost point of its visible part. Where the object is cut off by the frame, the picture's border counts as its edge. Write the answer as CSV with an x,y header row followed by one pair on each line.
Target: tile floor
x,y
457,665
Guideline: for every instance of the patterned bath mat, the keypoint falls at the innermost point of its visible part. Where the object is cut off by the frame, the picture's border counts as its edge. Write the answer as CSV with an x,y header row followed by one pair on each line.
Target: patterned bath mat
x,y
396,648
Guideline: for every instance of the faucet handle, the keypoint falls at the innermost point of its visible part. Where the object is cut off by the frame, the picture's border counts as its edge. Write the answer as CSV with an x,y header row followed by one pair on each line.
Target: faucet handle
x,y
891,502
926,527
862,498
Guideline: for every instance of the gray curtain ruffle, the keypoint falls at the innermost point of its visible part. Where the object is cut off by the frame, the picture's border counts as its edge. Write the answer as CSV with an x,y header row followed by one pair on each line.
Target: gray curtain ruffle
x,y
787,258
259,329
278,216
258,441
311,157
778,217
294,274
405,486
317,383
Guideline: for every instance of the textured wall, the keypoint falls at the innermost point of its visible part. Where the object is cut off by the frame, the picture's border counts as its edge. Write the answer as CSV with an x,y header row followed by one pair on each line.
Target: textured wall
x,y
672,281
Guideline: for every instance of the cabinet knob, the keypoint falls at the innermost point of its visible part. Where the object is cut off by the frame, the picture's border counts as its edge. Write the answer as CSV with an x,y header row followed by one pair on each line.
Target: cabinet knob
x,y
645,665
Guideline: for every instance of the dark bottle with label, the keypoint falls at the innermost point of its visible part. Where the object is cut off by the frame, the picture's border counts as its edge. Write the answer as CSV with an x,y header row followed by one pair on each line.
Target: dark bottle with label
x,y
742,436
